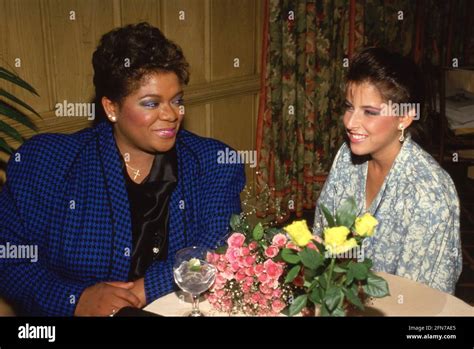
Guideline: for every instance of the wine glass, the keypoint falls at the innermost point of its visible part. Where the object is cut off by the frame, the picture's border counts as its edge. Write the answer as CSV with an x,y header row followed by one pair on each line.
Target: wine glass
x,y
193,273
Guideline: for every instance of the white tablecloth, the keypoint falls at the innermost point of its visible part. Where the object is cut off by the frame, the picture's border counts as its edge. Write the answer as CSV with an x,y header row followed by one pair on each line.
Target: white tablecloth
x,y
407,298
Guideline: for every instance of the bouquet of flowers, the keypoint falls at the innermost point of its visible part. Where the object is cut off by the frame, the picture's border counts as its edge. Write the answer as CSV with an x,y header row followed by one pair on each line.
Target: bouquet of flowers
x,y
290,270
249,273
336,276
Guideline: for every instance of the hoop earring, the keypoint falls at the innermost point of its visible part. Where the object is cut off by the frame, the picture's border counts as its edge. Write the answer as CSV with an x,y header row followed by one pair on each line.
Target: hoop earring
x,y
402,136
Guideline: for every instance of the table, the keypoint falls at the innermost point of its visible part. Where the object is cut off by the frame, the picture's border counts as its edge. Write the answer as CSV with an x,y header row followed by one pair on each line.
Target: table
x,y
407,298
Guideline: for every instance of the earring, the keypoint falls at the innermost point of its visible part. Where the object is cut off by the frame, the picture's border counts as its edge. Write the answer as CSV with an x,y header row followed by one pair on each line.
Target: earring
x,y
112,117
402,136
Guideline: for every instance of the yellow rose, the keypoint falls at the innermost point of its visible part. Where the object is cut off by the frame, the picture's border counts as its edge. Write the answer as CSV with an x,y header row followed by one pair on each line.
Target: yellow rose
x,y
299,233
335,236
344,247
365,225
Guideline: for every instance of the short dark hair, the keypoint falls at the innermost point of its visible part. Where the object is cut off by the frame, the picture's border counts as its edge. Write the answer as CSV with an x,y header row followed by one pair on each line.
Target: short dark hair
x,y
396,77
125,55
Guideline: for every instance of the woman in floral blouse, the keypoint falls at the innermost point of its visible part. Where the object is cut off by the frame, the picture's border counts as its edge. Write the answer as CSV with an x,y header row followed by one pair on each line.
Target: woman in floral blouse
x,y
392,177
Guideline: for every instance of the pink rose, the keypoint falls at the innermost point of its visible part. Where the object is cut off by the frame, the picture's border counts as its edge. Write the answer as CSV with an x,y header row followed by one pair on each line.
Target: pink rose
x,y
256,297
271,251
245,251
292,246
249,261
233,254
227,274
278,305
274,270
236,240
221,266
253,245
220,281
249,271
220,293
240,275
259,268
265,290
262,277
235,266
272,283
279,240
226,304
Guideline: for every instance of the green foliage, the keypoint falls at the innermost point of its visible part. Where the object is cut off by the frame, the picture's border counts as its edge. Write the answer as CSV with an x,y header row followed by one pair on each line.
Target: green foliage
x,y
330,283
9,107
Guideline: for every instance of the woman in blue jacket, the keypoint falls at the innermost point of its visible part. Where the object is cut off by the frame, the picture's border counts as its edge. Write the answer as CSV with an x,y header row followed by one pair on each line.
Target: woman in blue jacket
x,y
108,207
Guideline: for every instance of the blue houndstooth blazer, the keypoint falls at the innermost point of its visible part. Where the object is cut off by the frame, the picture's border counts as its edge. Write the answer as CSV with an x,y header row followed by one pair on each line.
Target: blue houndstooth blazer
x,y
67,195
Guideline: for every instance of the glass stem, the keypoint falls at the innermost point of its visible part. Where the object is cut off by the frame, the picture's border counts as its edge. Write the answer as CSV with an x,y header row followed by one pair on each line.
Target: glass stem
x,y
195,311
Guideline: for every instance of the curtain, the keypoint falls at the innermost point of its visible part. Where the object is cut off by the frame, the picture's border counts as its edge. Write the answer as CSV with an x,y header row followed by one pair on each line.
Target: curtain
x,y
306,50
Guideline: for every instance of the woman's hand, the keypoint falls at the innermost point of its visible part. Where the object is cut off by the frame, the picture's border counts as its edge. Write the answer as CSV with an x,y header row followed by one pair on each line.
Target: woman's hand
x,y
106,298
139,290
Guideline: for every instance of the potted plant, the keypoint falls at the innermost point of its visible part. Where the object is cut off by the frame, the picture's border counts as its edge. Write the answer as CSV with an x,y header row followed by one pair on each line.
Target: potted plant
x,y
9,107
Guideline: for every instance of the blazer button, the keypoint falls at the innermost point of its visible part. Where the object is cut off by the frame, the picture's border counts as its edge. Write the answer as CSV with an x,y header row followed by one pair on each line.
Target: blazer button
x,y
156,250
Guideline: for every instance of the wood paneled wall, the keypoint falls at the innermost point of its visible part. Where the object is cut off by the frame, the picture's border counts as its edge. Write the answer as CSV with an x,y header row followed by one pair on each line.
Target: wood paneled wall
x,y
54,41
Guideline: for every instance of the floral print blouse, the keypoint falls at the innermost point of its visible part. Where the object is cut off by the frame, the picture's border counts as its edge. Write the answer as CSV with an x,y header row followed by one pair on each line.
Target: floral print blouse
x,y
418,212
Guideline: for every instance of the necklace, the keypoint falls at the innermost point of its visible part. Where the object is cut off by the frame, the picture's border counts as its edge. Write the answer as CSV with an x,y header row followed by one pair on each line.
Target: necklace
x,y
136,173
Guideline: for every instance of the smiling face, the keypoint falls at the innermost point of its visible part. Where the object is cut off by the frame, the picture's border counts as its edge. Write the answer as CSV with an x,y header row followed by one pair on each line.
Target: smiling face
x,y
370,132
149,118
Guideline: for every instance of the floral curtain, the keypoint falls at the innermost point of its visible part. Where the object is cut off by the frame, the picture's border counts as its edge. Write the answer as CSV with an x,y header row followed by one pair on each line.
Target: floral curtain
x,y
307,44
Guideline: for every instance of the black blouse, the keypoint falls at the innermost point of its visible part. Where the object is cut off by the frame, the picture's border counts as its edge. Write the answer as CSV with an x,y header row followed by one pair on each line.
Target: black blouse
x,y
149,208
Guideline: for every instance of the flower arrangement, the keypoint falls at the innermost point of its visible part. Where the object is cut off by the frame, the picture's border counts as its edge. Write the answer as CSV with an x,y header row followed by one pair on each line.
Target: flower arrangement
x,y
269,271
249,273
333,280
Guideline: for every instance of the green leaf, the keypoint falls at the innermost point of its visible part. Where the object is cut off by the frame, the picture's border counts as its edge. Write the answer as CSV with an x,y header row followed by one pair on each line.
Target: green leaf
x,y
292,273
18,101
323,282
235,222
321,248
316,296
324,310
14,114
309,274
298,304
257,232
338,269
314,284
359,270
368,263
376,286
290,256
310,258
346,214
339,311
350,277
328,216
353,298
5,147
333,297
10,131
9,76
221,249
